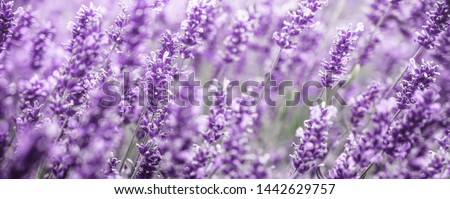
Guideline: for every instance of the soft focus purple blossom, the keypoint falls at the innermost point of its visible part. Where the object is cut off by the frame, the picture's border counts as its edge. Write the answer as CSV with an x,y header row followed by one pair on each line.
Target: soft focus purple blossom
x,y
149,161
344,44
198,25
31,149
196,168
346,166
437,23
363,103
111,170
23,22
422,77
298,21
442,51
39,44
116,31
109,95
313,137
236,42
405,136
377,10
7,18
218,115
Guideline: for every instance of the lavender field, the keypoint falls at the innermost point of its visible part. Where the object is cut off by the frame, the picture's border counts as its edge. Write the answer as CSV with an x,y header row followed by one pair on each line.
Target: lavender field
x,y
224,89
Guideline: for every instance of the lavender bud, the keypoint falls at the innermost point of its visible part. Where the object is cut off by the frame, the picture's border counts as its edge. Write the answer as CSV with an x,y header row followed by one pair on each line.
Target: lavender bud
x,y
437,23
313,139
6,21
421,78
298,21
344,44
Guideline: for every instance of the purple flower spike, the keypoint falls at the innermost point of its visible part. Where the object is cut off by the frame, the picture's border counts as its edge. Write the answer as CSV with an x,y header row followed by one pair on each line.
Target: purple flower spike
x,y
362,103
346,166
236,42
298,21
438,161
87,22
344,44
437,23
32,148
196,167
196,26
421,78
150,158
6,22
111,171
116,33
377,10
313,139
218,116
40,43
444,142
24,21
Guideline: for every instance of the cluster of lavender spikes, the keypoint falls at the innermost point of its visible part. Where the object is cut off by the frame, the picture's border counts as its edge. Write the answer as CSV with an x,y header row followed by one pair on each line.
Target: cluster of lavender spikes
x,y
102,94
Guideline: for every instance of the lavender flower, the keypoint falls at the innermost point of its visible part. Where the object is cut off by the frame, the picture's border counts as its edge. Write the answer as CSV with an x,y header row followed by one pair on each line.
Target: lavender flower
x,y
313,139
377,10
31,149
405,135
422,77
116,32
435,166
298,21
442,51
343,46
111,171
67,111
199,25
85,47
436,24
196,25
6,23
134,34
346,167
218,115
258,169
39,44
364,148
236,146
63,157
101,136
419,13
362,104
437,161
236,42
25,19
32,95
196,167
150,158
